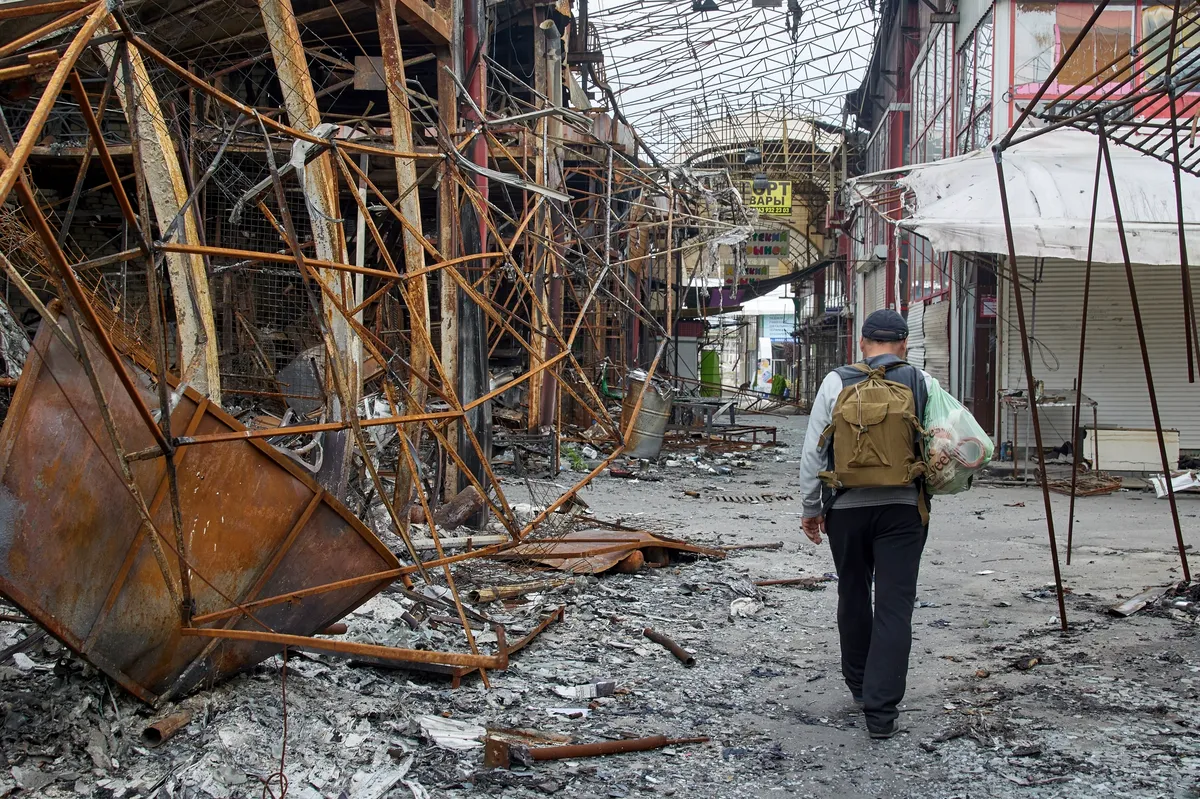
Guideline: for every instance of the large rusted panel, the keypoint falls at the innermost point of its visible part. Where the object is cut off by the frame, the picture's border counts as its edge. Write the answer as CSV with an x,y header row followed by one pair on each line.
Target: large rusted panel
x,y
73,550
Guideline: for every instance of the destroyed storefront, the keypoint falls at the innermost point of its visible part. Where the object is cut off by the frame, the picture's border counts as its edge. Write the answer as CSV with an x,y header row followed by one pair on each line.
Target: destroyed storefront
x,y
285,284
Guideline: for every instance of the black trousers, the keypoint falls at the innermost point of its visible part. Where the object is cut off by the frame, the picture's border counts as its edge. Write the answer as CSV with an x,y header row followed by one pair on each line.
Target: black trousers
x,y
883,542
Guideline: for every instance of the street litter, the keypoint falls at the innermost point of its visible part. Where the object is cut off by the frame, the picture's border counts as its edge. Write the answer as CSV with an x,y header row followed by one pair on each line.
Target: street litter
x,y
1136,603
1180,482
744,607
452,733
590,691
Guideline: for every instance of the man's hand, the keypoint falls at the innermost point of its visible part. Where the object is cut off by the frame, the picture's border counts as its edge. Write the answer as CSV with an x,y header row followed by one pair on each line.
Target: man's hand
x,y
813,527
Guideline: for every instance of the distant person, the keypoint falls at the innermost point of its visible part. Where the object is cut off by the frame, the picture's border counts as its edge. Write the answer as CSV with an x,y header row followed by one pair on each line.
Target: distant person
x,y
861,483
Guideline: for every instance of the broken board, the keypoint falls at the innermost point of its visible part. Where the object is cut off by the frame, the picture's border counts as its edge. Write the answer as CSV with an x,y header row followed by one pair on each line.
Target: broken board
x,y
74,552
597,550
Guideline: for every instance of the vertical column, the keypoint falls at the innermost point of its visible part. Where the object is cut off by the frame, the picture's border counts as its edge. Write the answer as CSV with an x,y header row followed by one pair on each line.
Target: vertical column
x,y
321,192
416,292
168,192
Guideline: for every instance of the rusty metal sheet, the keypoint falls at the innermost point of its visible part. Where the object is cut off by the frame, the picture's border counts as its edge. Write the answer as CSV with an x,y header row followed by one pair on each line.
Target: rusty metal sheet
x,y
73,549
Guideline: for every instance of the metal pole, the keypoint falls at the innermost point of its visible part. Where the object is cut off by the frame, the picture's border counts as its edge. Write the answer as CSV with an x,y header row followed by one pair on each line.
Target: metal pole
x,y
1075,416
1189,309
1137,321
1025,354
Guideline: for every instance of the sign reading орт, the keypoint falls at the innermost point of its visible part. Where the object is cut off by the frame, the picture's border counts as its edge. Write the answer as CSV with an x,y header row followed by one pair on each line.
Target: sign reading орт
x,y
774,200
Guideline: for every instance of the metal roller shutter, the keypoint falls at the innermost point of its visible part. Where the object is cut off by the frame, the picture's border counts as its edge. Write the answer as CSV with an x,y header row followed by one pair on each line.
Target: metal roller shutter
x,y
936,327
1113,373
916,335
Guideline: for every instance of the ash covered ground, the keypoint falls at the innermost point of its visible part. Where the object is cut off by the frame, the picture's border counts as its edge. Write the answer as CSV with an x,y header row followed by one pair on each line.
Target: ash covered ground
x,y
1001,703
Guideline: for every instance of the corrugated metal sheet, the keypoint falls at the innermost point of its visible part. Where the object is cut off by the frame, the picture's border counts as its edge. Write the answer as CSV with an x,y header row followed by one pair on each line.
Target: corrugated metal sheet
x,y
936,325
916,334
1113,373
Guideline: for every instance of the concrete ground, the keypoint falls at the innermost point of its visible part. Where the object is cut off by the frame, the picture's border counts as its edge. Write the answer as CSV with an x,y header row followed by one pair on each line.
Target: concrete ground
x,y
1111,708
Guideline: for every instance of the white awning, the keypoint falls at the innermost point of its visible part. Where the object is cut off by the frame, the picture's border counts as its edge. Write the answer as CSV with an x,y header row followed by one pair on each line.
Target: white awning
x,y
1050,181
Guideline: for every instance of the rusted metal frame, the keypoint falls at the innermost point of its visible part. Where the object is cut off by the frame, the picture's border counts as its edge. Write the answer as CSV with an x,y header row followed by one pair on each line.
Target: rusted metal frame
x,y
404,221
512,242
637,409
369,340
451,396
32,298
322,427
462,259
997,151
193,196
263,360
413,469
333,364
416,290
157,334
1077,411
504,512
45,30
216,94
1132,98
447,199
495,328
78,294
127,477
282,258
366,214
389,653
135,545
516,162
110,168
86,161
390,574
1097,82
1141,332
284,547
18,10
302,593
476,200
14,164
108,260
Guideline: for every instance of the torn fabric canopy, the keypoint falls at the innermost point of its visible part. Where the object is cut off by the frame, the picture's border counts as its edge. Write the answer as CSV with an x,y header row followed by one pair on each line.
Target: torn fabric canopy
x,y
1050,181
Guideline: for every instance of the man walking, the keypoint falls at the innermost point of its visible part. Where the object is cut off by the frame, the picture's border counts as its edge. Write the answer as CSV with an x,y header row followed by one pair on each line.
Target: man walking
x,y
860,479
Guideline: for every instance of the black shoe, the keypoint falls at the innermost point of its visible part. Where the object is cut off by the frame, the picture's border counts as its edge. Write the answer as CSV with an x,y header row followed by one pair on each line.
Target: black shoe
x,y
887,731
858,700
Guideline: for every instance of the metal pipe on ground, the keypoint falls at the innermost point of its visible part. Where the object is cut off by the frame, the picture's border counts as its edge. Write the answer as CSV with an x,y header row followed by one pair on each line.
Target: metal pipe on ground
x,y
501,753
684,656
156,733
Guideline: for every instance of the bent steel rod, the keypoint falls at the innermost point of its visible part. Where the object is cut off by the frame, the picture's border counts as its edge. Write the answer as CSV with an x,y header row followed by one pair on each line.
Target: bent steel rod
x,y
1027,356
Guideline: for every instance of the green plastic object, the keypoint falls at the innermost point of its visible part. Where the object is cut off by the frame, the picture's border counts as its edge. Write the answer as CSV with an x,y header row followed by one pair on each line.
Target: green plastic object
x,y
956,447
710,373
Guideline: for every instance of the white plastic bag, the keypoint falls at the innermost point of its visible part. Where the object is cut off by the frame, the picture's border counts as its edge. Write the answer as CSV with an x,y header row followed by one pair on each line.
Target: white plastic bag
x,y
956,447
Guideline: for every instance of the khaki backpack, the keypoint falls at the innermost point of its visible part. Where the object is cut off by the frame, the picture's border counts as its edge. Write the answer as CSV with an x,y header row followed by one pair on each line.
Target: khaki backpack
x,y
875,433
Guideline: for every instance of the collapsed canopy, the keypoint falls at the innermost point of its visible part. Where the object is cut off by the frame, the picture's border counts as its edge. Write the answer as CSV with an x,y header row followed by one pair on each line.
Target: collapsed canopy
x,y
1051,181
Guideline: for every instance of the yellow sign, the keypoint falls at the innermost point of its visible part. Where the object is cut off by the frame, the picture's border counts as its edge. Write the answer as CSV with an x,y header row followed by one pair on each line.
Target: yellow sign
x,y
775,199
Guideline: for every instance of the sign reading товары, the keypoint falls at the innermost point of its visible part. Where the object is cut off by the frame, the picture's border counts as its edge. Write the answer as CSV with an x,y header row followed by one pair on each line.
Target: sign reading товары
x,y
775,199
